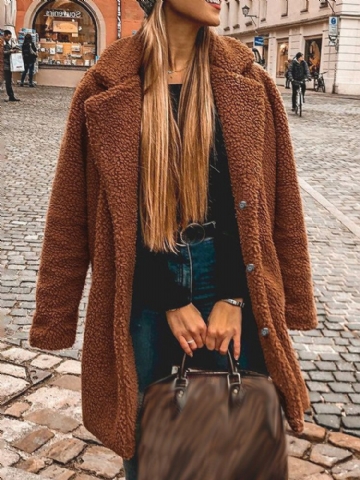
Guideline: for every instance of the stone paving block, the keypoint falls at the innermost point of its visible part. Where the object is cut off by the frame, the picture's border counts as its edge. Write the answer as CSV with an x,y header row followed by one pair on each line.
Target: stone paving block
x,y
57,473
33,464
71,382
298,469
321,376
17,409
345,441
326,408
344,376
101,461
328,456
8,457
339,387
345,367
352,409
65,450
54,397
331,422
318,387
18,355
335,398
355,397
326,366
10,386
33,440
318,476
84,476
13,370
297,447
10,473
46,361
352,422
83,434
70,366
347,471
53,419
313,433
13,429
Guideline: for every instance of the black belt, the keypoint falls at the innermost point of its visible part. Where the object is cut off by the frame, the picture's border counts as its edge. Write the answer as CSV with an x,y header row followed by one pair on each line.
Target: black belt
x,y
196,233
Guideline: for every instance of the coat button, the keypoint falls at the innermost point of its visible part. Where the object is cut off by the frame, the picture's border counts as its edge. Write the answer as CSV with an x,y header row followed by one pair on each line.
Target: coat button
x,y
242,205
250,267
265,332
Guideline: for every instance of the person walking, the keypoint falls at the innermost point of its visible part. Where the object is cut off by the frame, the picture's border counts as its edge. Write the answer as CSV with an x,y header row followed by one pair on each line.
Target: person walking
x,y
29,55
298,71
8,50
177,182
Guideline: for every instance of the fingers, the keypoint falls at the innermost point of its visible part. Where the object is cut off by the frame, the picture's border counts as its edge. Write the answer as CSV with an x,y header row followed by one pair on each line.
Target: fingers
x,y
237,345
185,346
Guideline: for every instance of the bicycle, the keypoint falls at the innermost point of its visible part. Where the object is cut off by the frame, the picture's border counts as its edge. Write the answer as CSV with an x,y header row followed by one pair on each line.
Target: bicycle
x,y
319,82
299,97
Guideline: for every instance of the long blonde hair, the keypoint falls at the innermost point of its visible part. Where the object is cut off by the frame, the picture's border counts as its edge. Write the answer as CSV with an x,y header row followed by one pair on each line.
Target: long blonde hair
x,y
174,152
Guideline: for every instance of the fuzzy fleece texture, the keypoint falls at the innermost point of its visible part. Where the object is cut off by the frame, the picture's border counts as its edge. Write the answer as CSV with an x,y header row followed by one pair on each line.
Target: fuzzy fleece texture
x,y
92,219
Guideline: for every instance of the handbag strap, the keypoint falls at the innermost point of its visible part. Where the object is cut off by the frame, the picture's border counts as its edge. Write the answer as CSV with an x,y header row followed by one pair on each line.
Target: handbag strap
x,y
234,378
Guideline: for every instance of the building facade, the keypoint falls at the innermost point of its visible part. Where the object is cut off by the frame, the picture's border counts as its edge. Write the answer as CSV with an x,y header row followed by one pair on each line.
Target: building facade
x,y
72,34
281,28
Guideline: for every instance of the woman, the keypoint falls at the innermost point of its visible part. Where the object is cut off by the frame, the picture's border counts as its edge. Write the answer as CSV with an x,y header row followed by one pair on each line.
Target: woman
x,y
29,56
178,128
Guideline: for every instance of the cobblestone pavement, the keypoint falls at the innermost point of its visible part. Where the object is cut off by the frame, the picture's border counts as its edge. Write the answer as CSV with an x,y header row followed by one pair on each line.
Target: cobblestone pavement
x,y
55,444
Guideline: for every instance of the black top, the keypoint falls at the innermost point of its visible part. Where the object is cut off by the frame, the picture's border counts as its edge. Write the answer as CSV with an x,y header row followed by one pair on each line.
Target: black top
x,y
154,286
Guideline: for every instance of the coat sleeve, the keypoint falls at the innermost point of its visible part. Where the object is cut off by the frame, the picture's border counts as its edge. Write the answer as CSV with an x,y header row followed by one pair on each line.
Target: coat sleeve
x,y
65,254
290,235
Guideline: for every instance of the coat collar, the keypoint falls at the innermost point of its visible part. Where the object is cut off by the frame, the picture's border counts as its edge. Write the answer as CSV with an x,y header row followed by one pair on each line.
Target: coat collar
x,y
122,60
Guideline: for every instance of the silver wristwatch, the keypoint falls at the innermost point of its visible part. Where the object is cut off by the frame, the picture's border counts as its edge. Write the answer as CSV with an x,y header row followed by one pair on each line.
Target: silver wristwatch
x,y
235,303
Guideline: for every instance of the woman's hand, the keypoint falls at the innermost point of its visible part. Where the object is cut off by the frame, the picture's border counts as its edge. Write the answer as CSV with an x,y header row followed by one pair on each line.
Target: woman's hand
x,y
224,325
187,325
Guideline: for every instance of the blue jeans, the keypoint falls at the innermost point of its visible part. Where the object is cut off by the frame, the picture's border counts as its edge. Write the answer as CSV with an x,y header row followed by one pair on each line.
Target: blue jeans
x,y
29,67
156,349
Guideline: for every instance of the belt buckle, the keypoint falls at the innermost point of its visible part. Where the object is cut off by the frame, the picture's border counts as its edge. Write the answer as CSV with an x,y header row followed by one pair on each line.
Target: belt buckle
x,y
190,234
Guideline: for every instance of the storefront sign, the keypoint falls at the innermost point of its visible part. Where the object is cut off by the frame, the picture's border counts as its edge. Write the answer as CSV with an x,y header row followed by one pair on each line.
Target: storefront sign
x,y
333,27
63,14
259,42
60,26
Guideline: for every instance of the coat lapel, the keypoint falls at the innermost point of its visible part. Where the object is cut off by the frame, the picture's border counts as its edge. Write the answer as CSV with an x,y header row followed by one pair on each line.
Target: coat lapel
x,y
113,122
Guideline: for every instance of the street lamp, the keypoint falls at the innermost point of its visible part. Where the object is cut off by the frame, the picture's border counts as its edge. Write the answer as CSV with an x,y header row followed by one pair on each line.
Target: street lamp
x,y
246,11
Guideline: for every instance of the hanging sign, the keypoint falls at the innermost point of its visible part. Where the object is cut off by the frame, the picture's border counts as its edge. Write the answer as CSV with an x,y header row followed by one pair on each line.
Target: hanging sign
x,y
333,26
259,42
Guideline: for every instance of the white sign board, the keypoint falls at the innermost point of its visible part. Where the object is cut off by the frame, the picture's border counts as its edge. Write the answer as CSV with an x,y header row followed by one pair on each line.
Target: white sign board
x,y
333,26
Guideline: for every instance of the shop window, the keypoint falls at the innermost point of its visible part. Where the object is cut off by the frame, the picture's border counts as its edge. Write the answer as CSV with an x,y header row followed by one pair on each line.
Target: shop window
x,y
282,58
313,49
67,32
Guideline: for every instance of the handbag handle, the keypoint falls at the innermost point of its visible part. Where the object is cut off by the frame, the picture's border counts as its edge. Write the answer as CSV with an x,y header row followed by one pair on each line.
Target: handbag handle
x,y
234,378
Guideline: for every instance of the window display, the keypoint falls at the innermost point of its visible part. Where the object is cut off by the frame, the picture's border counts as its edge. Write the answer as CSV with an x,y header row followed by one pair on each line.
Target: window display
x,y
282,57
67,32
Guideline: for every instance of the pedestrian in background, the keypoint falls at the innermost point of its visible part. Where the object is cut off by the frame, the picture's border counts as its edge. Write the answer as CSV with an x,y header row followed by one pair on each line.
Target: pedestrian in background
x,y
29,55
142,192
8,50
298,71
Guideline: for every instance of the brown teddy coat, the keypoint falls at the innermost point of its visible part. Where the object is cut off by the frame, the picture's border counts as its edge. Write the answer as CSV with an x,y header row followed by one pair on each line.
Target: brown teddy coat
x,y
92,218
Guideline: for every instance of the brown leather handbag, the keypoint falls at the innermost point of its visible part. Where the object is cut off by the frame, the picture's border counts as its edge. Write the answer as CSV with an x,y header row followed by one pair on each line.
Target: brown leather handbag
x,y
203,425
